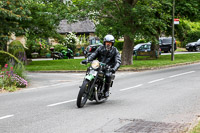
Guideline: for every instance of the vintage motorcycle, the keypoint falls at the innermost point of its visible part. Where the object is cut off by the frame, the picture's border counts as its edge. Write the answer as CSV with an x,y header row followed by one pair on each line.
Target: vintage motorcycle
x,y
93,84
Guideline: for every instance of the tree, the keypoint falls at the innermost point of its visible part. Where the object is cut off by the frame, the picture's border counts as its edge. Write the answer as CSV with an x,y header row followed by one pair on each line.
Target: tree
x,y
12,13
127,18
188,9
35,18
46,16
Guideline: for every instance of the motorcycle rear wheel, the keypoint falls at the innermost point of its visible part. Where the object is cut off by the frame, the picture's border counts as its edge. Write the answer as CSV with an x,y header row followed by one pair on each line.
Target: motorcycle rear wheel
x,y
83,94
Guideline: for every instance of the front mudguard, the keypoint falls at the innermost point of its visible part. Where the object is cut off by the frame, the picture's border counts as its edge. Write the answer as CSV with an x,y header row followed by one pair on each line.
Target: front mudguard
x,y
89,77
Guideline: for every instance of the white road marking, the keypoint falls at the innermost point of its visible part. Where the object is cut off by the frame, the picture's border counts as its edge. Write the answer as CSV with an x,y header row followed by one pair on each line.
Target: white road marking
x,y
156,80
65,83
7,116
51,105
131,87
79,74
181,74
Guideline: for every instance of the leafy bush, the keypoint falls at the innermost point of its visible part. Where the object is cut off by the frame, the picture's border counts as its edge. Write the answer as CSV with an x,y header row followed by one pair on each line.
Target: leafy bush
x,y
59,47
3,59
39,46
187,31
70,41
17,49
192,36
10,80
119,45
178,44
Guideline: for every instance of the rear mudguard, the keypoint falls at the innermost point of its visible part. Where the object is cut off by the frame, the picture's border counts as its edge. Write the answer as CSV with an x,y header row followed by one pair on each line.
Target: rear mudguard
x,y
89,77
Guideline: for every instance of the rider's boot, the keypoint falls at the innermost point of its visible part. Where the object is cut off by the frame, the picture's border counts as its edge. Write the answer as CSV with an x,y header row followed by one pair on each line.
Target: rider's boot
x,y
106,90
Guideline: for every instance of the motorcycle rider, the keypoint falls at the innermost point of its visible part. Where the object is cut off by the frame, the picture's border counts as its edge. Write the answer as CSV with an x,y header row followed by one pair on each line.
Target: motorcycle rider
x,y
109,55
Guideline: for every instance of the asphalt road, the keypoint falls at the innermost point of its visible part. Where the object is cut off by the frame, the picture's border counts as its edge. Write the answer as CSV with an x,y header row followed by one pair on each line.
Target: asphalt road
x,y
168,98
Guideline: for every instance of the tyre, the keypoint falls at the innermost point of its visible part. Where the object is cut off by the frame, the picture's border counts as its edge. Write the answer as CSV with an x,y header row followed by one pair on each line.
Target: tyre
x,y
83,94
197,48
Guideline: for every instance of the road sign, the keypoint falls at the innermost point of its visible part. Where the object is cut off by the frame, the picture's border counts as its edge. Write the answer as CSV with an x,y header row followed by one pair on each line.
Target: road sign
x,y
176,21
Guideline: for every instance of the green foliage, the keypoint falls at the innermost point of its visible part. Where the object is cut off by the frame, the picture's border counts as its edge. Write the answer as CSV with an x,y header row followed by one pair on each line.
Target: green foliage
x,y
139,41
82,40
4,58
187,31
188,9
119,45
9,78
17,49
70,41
19,70
39,46
12,14
196,129
131,18
8,57
59,47
192,36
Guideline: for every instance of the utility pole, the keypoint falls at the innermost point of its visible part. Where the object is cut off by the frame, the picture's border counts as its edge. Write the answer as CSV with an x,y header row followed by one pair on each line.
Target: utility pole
x,y
172,52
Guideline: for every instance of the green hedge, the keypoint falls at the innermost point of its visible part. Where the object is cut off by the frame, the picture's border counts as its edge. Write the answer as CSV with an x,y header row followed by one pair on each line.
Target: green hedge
x,y
119,45
59,47
192,36
3,59
16,48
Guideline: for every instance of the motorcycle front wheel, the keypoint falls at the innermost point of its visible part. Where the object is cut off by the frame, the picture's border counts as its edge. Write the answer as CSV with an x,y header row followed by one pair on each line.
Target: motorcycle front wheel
x,y
83,94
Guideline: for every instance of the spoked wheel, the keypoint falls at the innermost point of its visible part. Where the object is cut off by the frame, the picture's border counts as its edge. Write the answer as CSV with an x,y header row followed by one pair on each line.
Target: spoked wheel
x,y
83,94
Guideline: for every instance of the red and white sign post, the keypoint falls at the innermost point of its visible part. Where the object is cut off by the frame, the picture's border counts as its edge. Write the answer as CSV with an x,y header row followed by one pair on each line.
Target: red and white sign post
x,y
176,21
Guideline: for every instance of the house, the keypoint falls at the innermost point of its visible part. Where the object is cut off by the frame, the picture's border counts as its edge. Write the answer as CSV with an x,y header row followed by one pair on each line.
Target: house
x,y
85,27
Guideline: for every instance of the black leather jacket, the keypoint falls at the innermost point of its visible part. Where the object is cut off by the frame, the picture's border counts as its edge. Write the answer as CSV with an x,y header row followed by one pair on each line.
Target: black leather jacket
x,y
111,57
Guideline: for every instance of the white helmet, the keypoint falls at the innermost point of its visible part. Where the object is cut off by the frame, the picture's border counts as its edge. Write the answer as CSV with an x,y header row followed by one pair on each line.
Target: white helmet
x,y
109,38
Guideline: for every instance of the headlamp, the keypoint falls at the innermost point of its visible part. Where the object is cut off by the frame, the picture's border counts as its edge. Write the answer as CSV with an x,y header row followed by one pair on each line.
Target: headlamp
x,y
95,64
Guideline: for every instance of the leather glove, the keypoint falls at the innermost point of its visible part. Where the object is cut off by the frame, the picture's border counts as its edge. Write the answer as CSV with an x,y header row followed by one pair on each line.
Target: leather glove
x,y
112,70
84,61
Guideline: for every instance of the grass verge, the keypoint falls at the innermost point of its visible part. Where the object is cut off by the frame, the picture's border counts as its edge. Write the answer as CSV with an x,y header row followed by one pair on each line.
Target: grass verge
x,y
139,64
162,61
196,129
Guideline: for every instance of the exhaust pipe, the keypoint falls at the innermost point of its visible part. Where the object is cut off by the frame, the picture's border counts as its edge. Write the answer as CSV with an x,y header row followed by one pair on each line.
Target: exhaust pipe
x,y
97,98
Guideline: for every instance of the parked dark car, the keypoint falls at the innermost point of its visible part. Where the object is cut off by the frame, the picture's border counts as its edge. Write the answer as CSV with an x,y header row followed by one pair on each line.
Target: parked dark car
x,y
90,49
143,47
166,44
193,46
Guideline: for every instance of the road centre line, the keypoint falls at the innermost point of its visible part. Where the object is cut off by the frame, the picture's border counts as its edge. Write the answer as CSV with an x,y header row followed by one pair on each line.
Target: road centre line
x,y
181,74
51,105
51,85
7,116
131,87
55,104
156,80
